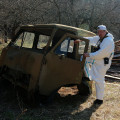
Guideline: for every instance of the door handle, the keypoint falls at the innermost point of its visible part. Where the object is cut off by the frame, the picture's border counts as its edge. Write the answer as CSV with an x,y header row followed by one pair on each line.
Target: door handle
x,y
62,56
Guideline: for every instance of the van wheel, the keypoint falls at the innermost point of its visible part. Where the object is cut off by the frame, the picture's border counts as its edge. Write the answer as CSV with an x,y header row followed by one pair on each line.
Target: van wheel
x,y
31,99
85,87
46,99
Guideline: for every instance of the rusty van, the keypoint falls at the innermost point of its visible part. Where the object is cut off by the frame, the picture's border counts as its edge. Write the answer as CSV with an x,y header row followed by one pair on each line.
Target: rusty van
x,y
45,58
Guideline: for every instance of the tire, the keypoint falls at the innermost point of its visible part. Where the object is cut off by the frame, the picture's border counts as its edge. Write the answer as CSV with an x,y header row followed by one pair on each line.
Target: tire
x,y
45,99
85,87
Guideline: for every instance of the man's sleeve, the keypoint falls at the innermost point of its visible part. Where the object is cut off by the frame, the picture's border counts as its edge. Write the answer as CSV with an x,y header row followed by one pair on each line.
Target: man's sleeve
x,y
104,51
93,40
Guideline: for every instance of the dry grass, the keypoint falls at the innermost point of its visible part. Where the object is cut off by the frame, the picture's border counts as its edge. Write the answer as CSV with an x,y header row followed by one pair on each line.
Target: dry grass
x,y
68,106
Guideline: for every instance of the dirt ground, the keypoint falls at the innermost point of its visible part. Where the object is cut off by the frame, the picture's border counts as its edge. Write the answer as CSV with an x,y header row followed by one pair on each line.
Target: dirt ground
x,y
67,105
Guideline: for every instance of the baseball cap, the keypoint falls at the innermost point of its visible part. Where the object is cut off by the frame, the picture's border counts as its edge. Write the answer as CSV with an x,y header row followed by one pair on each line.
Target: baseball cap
x,y
101,27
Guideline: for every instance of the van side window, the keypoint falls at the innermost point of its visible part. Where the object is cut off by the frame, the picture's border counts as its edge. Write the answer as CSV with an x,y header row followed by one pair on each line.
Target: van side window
x,y
25,40
71,50
42,42
65,47
81,47
28,40
19,40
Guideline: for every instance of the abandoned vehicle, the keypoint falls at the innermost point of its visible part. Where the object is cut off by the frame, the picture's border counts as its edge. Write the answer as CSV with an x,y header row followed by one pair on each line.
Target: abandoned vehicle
x,y
45,58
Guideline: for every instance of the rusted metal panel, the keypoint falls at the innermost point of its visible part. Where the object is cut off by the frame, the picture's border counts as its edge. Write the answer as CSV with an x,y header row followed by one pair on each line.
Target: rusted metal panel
x,y
58,72
26,61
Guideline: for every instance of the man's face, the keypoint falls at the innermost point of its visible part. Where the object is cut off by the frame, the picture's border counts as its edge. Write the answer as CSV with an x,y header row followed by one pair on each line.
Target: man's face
x,y
101,33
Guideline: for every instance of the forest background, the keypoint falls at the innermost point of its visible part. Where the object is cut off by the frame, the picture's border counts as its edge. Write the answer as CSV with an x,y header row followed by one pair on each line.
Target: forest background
x,y
86,14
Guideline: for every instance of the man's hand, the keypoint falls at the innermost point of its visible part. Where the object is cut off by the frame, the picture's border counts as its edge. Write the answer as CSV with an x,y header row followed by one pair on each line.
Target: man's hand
x,y
86,55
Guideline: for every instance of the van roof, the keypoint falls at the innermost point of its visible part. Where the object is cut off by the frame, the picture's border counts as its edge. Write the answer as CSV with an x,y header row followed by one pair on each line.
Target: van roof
x,y
48,28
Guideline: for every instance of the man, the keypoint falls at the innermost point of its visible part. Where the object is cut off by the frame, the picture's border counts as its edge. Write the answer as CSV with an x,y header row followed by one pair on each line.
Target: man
x,y
99,61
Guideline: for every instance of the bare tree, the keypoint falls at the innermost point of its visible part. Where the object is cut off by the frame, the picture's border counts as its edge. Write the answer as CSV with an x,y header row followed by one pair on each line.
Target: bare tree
x,y
87,14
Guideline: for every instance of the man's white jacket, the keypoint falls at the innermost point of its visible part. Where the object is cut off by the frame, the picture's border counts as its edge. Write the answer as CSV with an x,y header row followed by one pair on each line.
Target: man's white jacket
x,y
95,68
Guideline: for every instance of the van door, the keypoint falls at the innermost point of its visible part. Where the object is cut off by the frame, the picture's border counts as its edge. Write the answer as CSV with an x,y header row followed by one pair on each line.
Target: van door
x,y
62,67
